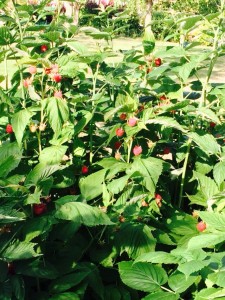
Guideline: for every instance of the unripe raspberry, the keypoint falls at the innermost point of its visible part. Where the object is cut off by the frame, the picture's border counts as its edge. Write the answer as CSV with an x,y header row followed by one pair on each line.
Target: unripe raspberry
x,y
201,226
120,132
137,150
132,121
32,69
58,94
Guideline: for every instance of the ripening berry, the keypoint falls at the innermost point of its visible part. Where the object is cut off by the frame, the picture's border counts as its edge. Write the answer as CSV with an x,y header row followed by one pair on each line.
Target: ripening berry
x,y
212,124
163,98
55,69
158,62
9,128
58,94
123,116
158,200
132,121
44,48
27,82
57,77
33,127
42,126
48,70
166,150
201,226
32,69
120,132
117,145
117,155
39,209
84,170
137,150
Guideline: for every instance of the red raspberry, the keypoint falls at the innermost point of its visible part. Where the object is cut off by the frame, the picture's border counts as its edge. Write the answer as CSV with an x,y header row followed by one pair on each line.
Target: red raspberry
x,y
158,62
57,77
39,209
137,150
44,48
120,132
84,170
9,128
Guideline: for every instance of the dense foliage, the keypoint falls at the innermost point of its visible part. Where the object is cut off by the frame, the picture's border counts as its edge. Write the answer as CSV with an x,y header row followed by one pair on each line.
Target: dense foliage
x,y
111,163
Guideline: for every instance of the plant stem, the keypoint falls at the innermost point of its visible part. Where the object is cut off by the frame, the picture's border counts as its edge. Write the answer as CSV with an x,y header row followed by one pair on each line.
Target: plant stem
x,y
202,102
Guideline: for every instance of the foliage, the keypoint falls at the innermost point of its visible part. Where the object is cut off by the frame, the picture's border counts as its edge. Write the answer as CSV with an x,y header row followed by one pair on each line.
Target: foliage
x,y
108,162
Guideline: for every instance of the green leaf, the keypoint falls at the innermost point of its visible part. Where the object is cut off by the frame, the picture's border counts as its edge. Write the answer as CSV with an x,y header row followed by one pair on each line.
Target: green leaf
x,y
18,287
148,41
65,296
206,142
134,239
150,169
142,276
36,226
205,240
117,185
211,294
92,185
19,123
58,113
78,48
219,172
185,70
6,37
86,117
213,219
188,22
159,257
206,185
37,268
167,122
161,296
82,213
40,172
218,278
52,155
179,282
10,215
19,250
51,36
193,266
208,113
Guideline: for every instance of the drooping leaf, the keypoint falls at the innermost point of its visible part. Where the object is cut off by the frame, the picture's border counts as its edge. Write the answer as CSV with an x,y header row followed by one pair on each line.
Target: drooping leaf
x,y
92,185
52,155
82,213
207,240
142,276
193,266
206,185
150,169
219,172
159,257
134,239
66,296
19,123
179,282
213,219
19,250
40,172
162,296
211,294
168,122
205,142
58,113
